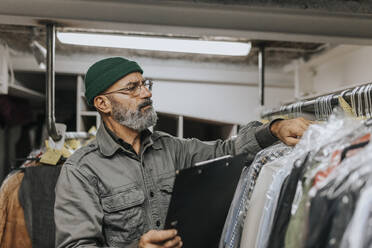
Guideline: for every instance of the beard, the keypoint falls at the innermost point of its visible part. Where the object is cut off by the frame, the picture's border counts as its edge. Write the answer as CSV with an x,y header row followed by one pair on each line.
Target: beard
x,y
137,120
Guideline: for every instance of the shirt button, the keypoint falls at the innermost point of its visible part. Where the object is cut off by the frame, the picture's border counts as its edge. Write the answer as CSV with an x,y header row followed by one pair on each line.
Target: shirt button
x,y
158,223
152,194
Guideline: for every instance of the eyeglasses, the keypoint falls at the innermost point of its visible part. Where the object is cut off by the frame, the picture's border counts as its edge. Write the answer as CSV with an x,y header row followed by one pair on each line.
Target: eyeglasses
x,y
133,88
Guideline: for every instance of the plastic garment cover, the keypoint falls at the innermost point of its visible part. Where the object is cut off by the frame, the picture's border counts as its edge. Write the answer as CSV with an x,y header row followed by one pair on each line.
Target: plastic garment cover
x,y
335,213
315,139
272,197
256,207
333,200
278,220
320,169
234,222
298,227
359,231
347,173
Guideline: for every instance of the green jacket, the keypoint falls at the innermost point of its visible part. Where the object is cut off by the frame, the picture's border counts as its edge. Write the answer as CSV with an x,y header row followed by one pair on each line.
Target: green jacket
x,y
108,196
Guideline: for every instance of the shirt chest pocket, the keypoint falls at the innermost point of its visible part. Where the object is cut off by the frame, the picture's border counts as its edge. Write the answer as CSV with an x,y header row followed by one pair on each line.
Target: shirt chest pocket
x,y
166,183
123,216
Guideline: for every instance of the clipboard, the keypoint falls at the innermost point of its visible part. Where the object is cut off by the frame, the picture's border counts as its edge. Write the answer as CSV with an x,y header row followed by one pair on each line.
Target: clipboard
x,y
201,199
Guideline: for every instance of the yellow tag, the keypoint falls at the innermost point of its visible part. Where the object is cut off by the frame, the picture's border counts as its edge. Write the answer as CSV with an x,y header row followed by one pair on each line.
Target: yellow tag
x,y
362,118
284,117
345,106
47,144
73,143
65,152
51,156
93,130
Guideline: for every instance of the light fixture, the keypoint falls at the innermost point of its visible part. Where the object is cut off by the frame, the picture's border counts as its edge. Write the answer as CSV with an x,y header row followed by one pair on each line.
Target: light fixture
x,y
156,43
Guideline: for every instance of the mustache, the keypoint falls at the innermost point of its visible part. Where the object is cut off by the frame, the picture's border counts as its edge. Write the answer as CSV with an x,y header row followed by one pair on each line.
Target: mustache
x,y
145,103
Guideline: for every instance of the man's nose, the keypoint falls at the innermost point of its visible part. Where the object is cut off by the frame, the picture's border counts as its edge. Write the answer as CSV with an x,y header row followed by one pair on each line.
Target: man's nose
x,y
145,92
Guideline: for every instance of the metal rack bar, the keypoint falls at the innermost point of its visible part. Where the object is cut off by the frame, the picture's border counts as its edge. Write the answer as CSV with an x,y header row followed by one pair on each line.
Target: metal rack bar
x,y
309,105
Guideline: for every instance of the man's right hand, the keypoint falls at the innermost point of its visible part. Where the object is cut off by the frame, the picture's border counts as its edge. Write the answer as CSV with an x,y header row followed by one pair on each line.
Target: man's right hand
x,y
160,239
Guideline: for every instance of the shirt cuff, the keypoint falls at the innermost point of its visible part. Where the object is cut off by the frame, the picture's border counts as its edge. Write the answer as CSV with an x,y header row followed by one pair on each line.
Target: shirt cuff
x,y
264,136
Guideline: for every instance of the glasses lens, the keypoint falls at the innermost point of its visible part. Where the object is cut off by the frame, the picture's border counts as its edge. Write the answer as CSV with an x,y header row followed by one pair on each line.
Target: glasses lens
x,y
146,83
149,84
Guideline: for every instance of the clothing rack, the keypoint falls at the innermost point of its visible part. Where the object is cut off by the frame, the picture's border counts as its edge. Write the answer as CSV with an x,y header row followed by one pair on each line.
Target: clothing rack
x,y
359,98
78,135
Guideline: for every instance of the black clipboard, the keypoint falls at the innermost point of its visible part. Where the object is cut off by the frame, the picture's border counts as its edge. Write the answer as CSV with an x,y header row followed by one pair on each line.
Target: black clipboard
x,y
201,200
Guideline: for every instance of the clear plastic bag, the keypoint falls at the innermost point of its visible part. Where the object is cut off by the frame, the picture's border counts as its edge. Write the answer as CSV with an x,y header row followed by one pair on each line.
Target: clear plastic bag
x,y
234,222
360,227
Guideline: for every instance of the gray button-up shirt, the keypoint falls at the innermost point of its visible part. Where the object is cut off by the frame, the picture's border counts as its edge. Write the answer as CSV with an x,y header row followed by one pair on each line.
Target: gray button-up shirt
x,y
108,196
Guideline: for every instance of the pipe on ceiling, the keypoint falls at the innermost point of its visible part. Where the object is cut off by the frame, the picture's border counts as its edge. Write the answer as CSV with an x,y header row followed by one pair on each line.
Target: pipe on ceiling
x,y
50,82
261,70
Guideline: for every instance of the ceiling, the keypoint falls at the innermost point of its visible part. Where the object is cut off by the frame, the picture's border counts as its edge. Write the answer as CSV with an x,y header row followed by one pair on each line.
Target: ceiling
x,y
331,6
288,29
315,21
277,53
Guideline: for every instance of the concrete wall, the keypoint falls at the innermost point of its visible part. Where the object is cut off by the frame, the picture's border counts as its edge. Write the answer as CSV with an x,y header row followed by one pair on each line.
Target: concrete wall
x,y
216,91
342,67
219,102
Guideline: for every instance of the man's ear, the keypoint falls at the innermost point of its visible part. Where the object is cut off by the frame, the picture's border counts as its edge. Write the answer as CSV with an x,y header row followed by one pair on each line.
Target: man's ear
x,y
102,104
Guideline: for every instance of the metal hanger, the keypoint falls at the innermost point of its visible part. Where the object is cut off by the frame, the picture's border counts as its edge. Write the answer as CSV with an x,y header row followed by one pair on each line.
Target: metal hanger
x,y
360,101
352,98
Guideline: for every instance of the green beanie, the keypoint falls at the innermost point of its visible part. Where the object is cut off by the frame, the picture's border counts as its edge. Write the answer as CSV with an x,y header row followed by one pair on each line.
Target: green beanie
x,y
105,73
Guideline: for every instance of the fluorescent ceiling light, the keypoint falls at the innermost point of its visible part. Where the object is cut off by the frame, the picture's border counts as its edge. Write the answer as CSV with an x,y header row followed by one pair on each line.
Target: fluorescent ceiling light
x,y
156,44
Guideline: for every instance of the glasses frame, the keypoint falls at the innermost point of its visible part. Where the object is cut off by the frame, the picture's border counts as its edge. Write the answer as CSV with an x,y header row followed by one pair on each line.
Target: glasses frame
x,y
130,90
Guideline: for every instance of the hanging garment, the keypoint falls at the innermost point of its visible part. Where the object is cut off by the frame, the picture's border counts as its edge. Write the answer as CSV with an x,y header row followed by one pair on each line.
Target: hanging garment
x,y
329,144
335,200
278,226
271,202
297,226
359,231
13,231
257,204
235,220
332,154
335,214
229,234
37,198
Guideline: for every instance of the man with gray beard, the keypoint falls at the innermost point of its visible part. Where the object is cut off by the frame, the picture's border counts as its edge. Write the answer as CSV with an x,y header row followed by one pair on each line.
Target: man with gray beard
x,y
115,191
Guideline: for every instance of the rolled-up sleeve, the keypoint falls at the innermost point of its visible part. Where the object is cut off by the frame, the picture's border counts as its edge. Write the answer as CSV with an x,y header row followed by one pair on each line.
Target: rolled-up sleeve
x,y
77,212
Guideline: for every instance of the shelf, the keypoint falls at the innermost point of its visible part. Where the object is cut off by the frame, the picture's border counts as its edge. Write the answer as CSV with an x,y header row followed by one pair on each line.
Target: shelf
x,y
89,113
21,91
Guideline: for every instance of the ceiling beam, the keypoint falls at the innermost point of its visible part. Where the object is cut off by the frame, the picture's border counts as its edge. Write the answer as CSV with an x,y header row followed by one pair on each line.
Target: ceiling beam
x,y
194,19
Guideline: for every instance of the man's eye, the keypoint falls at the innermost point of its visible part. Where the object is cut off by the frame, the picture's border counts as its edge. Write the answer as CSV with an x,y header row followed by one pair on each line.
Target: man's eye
x,y
132,87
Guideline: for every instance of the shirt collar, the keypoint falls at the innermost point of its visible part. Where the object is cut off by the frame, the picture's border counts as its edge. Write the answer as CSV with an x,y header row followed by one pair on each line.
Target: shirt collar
x,y
108,142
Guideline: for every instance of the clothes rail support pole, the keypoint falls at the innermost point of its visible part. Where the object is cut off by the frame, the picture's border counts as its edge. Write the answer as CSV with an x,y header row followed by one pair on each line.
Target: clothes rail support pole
x,y
50,83
261,68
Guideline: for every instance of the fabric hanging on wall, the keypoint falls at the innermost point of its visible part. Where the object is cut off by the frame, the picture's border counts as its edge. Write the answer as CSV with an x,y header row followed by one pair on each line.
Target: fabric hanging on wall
x,y
13,231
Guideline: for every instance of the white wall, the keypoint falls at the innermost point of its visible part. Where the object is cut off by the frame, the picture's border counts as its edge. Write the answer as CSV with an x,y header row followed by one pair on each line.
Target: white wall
x,y
342,67
225,103
350,68
216,91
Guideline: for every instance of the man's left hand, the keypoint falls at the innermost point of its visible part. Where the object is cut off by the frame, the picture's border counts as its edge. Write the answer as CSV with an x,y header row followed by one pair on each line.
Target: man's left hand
x,y
290,131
